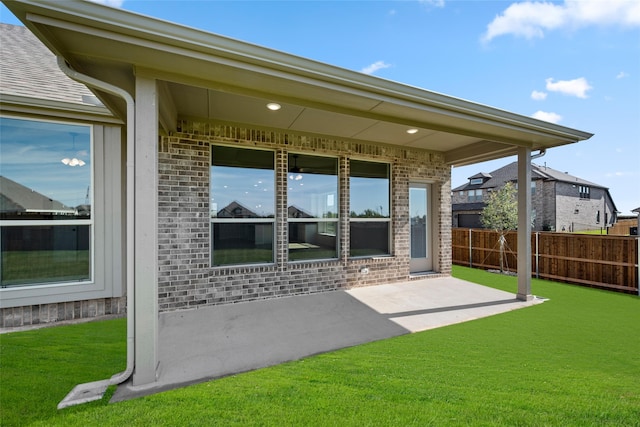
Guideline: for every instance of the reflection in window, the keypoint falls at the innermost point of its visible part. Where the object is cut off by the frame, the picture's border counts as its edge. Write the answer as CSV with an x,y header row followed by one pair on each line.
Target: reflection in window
x,y
45,202
312,207
242,206
370,222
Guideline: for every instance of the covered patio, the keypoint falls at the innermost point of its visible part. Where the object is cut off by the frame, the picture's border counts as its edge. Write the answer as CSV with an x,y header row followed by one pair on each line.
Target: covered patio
x,y
212,342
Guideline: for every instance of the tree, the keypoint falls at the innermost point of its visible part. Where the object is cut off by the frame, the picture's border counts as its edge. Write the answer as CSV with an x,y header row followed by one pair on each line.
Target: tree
x,y
501,214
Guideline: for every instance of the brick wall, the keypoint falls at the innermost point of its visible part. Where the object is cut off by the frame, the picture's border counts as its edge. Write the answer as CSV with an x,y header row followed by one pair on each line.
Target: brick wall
x,y
576,214
57,312
186,279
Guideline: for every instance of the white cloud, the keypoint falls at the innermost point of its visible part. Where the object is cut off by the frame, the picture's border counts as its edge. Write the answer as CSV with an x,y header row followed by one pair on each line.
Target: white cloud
x,y
114,3
378,65
547,116
435,3
622,75
532,19
576,87
538,96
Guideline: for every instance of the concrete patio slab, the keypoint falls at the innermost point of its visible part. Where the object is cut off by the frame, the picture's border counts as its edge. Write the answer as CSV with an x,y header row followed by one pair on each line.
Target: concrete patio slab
x,y
212,342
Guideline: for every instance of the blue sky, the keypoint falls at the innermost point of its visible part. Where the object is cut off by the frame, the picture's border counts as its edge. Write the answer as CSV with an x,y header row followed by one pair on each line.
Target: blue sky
x,y
576,63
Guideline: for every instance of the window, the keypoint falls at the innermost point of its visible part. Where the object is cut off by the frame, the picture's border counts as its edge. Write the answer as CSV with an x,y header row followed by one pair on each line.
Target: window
x,y
312,207
598,217
584,192
533,187
370,222
46,225
474,195
475,181
242,206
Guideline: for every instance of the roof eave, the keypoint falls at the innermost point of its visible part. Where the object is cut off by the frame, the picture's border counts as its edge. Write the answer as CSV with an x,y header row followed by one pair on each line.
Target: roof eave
x,y
198,43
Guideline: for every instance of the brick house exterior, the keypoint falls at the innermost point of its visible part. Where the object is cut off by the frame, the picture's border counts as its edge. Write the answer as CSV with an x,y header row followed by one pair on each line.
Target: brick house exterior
x,y
188,281
560,201
190,112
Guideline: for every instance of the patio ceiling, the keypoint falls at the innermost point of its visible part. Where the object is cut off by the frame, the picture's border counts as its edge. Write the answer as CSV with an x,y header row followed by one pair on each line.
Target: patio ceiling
x,y
207,76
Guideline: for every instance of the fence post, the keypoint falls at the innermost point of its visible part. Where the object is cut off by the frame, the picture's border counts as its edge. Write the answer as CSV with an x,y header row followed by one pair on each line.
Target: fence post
x,y
470,250
638,263
537,256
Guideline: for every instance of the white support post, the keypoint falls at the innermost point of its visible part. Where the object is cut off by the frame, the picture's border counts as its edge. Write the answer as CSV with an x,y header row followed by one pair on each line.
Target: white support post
x,y
146,232
524,224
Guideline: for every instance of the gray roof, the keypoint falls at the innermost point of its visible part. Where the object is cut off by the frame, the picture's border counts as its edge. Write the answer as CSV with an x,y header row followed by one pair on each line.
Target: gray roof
x,y
481,175
15,197
29,69
475,206
510,173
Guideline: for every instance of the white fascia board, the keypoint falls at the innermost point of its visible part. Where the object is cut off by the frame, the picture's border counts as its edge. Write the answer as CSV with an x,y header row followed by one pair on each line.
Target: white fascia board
x,y
40,107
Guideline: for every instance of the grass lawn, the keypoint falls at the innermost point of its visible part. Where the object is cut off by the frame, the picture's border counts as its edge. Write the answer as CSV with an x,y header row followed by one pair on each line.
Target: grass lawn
x,y
572,361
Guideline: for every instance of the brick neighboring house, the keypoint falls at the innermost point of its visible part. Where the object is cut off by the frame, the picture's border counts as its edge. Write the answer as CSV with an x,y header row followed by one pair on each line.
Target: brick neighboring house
x,y
223,172
560,201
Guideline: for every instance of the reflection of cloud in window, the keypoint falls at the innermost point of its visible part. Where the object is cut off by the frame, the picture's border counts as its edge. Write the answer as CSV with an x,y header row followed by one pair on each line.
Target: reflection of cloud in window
x,y
311,193
31,154
252,188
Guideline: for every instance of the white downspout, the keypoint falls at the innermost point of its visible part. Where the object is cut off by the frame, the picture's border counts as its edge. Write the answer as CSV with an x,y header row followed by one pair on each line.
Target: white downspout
x,y
88,392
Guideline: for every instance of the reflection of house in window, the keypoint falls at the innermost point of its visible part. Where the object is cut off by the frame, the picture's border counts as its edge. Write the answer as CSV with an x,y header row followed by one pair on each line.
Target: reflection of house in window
x,y
20,202
296,212
40,252
236,210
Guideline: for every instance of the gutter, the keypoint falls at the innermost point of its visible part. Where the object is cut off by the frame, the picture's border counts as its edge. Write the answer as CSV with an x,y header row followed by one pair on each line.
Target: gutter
x,y
88,392
541,153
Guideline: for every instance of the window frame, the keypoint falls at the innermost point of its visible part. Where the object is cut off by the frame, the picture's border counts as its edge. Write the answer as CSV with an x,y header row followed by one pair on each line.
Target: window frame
x,y
314,220
260,220
476,197
584,192
387,220
91,222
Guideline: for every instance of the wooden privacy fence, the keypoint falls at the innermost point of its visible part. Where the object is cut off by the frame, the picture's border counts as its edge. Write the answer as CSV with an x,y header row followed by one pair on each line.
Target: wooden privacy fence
x,y
602,261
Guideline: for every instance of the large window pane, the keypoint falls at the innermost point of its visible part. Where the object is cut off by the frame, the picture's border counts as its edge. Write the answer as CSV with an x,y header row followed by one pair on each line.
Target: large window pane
x,y
370,221
313,187
45,254
242,183
369,238
242,206
308,241
312,207
45,202
242,243
45,170
369,187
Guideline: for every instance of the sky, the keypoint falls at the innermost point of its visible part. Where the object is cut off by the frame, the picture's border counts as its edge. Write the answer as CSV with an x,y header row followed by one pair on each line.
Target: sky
x,y
574,63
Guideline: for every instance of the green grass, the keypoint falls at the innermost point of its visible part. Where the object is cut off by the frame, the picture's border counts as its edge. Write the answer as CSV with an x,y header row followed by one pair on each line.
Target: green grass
x,y
36,267
598,231
572,361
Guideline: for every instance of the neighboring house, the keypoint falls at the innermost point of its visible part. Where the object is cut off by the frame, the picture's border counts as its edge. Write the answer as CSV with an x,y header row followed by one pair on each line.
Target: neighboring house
x,y
560,202
344,173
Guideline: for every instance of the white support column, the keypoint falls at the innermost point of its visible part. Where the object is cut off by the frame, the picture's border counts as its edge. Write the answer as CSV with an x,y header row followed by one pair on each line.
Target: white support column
x,y
146,232
524,224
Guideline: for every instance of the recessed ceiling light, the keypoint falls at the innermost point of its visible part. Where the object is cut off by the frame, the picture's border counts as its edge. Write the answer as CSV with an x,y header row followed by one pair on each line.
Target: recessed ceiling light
x,y
273,106
412,131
